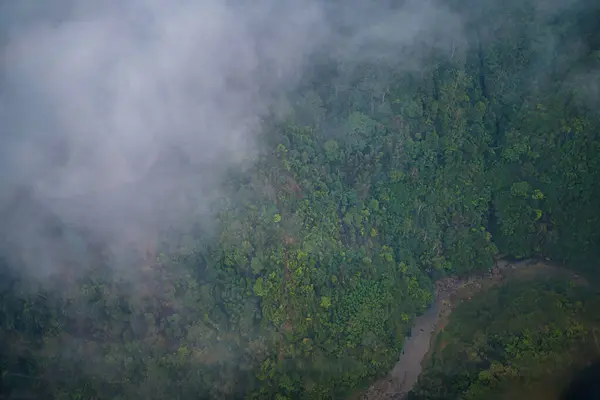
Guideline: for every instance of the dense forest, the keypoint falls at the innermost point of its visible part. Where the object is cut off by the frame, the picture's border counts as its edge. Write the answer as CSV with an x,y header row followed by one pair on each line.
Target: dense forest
x,y
375,179
524,340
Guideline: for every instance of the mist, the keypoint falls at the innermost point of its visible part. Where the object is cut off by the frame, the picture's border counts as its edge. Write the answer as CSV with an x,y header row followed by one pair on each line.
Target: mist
x,y
228,199
120,118
113,111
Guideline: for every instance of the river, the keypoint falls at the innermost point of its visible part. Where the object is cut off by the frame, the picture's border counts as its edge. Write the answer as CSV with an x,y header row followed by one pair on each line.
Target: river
x,y
450,292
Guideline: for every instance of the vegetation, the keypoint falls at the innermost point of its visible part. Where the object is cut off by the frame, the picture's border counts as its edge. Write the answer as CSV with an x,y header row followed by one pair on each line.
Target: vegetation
x,y
505,341
378,181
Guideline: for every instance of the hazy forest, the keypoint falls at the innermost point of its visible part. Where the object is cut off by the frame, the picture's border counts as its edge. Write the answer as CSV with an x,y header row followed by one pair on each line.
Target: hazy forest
x,y
221,200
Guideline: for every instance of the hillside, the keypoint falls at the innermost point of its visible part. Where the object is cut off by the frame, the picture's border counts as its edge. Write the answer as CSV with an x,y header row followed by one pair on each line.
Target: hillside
x,y
297,273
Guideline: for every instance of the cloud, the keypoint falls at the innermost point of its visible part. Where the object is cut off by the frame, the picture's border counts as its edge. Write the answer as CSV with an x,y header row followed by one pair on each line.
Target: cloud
x,y
400,35
120,117
112,110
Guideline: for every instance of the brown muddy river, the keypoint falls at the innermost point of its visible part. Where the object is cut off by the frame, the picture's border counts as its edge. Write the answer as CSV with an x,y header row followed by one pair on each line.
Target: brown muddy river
x,y
449,292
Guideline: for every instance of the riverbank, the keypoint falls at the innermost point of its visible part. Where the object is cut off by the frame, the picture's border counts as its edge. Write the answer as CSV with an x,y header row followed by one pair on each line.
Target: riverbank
x,y
450,292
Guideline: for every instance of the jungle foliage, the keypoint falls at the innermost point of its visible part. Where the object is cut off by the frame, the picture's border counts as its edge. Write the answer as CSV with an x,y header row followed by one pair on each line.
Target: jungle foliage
x,y
512,338
377,182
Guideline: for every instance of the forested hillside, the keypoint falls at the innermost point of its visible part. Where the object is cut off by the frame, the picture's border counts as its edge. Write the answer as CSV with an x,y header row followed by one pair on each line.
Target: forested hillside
x,y
524,340
379,178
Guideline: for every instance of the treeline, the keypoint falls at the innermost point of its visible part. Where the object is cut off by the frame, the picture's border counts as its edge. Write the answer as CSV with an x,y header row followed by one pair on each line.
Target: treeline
x,y
376,183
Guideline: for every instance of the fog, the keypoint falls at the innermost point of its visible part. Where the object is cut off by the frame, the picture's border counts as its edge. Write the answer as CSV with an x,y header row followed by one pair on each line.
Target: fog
x,y
113,110
230,199
121,117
